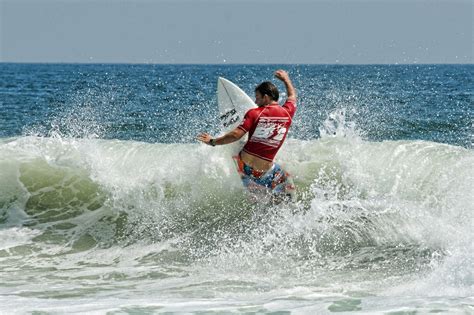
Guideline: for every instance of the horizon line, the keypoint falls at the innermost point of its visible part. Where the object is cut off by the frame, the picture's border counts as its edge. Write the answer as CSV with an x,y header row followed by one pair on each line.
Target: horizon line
x,y
227,64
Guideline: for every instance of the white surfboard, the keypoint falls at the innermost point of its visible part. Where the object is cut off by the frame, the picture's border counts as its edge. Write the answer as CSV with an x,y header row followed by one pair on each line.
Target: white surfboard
x,y
233,104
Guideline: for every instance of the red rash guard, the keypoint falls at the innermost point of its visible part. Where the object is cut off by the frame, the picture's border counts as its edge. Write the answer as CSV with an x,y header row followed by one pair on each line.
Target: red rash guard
x,y
267,127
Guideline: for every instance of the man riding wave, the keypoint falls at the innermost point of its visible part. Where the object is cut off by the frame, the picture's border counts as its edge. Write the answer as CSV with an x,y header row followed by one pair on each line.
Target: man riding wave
x,y
268,126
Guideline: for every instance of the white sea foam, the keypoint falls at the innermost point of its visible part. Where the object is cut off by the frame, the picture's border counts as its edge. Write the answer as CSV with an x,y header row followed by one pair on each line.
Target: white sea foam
x,y
16,236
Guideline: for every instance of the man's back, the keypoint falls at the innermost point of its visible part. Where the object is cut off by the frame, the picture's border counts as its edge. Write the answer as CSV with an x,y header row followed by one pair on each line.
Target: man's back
x,y
267,127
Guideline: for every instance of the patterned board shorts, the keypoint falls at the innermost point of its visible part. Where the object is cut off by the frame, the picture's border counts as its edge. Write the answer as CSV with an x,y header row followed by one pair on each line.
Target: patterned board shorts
x,y
275,181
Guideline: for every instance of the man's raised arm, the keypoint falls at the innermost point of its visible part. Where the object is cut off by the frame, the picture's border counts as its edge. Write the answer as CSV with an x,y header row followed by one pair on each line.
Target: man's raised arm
x,y
285,78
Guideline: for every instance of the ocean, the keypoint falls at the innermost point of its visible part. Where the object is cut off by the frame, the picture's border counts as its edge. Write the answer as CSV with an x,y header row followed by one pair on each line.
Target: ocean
x,y
109,205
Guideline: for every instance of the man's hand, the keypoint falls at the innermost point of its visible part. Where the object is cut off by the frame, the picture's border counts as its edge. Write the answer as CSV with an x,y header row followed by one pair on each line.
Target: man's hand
x,y
204,137
282,75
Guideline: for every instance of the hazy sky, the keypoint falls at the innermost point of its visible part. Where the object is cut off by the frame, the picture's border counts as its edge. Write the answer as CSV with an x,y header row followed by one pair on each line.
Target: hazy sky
x,y
237,31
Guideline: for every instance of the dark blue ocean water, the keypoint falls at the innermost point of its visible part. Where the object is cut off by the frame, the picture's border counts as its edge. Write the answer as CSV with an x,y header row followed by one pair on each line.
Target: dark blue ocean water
x,y
171,103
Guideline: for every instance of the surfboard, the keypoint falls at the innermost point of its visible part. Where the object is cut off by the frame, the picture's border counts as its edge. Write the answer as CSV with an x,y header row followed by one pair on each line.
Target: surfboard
x,y
233,104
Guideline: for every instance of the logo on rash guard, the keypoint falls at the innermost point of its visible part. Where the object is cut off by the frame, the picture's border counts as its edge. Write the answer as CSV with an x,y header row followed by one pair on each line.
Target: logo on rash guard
x,y
270,131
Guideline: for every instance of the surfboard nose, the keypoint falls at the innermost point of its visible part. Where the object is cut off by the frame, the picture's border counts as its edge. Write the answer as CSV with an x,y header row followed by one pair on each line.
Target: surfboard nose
x,y
233,103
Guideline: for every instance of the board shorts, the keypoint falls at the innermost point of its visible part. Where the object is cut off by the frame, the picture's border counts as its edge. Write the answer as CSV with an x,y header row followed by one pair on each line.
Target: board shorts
x,y
275,181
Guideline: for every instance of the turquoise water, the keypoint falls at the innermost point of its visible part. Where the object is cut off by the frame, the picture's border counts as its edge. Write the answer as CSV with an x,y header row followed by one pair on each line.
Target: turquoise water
x,y
109,205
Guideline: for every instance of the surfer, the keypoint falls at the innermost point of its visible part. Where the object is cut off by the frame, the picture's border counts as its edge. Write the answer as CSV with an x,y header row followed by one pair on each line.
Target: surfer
x,y
267,126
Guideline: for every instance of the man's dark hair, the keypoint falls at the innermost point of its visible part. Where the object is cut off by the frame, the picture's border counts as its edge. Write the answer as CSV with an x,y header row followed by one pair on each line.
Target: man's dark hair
x,y
268,88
